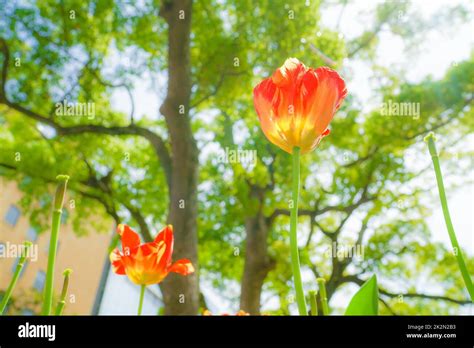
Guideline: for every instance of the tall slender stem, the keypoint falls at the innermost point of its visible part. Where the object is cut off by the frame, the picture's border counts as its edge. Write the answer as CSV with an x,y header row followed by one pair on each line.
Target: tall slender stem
x,y
323,295
295,259
313,302
62,299
15,278
53,242
447,217
142,296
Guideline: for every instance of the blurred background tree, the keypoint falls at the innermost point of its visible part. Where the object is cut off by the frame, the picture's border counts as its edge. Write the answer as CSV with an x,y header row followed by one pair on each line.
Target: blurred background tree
x,y
368,184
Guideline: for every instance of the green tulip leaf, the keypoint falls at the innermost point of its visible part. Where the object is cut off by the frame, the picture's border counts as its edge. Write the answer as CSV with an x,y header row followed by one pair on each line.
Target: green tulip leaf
x,y
366,300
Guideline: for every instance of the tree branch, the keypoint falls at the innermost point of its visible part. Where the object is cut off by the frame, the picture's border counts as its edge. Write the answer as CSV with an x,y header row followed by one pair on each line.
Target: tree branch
x,y
99,184
362,159
374,33
140,219
315,212
358,281
216,88
154,139
6,60
109,208
441,124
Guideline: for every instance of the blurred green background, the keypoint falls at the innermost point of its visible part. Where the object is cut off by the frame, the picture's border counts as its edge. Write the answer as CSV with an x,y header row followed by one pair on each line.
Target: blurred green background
x,y
369,184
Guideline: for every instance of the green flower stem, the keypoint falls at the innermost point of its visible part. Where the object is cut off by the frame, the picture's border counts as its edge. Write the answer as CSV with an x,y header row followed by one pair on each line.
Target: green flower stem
x,y
295,260
53,242
313,302
142,296
16,275
430,139
323,295
62,299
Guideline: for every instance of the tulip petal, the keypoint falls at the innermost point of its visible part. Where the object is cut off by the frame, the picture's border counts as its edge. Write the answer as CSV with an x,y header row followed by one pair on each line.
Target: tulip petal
x,y
116,262
288,72
148,263
264,93
183,267
296,104
287,101
130,239
327,99
325,95
166,236
143,267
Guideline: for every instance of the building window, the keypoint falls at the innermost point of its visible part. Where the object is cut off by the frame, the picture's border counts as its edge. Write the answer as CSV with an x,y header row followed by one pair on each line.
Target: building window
x,y
32,234
27,311
39,281
26,180
13,214
64,216
57,247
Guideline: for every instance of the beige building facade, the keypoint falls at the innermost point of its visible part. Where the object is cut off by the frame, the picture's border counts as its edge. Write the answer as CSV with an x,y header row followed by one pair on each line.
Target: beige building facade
x,y
85,255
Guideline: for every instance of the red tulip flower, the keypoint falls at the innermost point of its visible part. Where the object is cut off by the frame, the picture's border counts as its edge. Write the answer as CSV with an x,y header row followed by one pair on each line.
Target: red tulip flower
x,y
148,263
296,104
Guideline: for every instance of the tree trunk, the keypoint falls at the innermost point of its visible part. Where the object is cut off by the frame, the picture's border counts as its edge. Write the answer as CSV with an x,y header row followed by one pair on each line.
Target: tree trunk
x,y
181,294
257,263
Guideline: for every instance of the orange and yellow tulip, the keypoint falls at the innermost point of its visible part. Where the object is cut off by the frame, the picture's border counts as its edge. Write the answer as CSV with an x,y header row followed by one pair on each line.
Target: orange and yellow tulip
x,y
148,263
296,104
